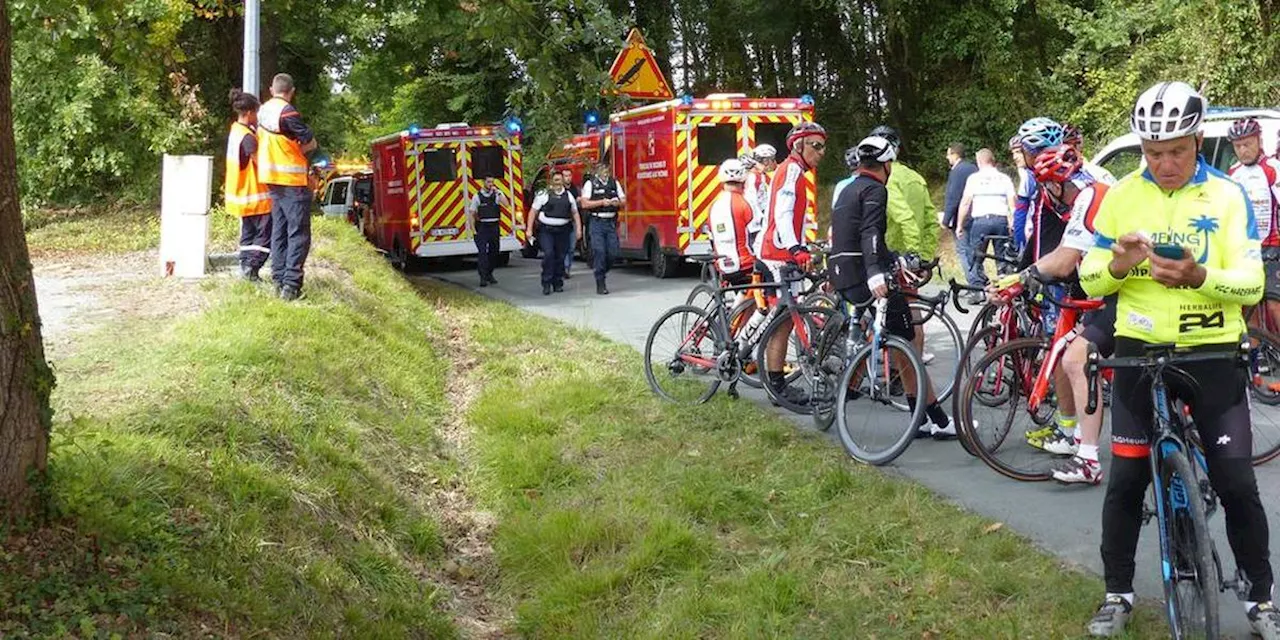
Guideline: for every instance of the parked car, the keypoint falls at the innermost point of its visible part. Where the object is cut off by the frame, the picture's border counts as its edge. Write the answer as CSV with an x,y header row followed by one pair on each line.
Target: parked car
x,y
1123,155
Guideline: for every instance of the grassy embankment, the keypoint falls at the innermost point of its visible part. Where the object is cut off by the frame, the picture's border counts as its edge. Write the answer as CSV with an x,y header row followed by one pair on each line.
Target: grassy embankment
x,y
275,469
111,229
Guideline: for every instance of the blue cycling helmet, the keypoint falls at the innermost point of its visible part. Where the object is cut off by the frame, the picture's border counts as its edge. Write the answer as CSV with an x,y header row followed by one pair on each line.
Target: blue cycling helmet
x,y
1039,134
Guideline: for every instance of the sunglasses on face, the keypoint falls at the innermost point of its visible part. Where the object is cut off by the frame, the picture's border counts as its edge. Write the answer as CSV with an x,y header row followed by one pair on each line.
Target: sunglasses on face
x,y
817,145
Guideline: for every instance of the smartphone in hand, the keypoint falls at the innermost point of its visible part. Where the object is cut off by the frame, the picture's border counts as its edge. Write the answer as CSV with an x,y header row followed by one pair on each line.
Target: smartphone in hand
x,y
1169,251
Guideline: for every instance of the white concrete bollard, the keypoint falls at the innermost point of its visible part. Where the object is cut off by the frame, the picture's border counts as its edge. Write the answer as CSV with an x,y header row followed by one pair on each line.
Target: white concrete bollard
x,y
185,195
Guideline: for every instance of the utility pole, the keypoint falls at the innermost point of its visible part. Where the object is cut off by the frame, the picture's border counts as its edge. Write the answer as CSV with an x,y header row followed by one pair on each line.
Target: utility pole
x,y
252,13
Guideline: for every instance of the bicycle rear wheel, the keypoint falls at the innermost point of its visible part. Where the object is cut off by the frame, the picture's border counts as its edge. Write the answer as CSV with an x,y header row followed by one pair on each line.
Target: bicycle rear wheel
x,y
995,414
801,359
702,296
980,343
681,355
1192,583
871,428
986,316
739,318
943,346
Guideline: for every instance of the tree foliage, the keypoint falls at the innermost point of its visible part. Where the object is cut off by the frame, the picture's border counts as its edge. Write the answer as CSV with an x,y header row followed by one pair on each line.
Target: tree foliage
x,y
137,78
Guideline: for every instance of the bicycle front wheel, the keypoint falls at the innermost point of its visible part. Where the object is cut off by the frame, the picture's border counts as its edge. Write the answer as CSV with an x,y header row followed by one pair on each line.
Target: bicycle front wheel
x,y
798,362
1192,583
996,415
1264,387
871,428
681,355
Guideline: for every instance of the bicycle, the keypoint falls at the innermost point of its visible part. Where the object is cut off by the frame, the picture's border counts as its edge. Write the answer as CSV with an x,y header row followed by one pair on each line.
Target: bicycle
x,y
1012,316
869,364
1192,573
1018,369
708,347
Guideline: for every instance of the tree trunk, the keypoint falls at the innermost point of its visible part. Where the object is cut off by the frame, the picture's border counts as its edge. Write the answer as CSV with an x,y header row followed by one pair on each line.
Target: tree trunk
x,y
25,377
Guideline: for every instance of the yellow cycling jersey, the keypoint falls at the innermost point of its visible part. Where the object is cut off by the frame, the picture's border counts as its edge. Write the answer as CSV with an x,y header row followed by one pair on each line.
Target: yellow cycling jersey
x,y
1210,216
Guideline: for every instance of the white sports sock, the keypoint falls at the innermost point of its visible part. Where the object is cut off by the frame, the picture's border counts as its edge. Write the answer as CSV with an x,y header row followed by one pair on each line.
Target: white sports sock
x,y
1088,452
1128,597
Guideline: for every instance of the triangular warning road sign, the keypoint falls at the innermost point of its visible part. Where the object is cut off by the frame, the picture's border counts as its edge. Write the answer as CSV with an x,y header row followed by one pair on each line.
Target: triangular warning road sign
x,y
635,73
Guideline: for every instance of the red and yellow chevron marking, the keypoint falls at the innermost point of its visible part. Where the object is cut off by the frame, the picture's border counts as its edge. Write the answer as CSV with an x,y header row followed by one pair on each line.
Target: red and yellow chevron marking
x,y
412,184
703,186
686,147
443,203
503,187
516,173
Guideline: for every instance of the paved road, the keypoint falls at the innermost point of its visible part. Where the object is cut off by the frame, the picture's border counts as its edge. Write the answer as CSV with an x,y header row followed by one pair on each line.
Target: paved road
x,y
1063,520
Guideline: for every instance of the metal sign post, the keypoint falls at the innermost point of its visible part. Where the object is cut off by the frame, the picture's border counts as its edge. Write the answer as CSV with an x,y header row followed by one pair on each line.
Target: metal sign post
x,y
252,13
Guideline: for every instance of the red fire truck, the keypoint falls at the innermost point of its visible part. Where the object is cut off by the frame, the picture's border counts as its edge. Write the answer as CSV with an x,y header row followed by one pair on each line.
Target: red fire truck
x,y
423,180
665,155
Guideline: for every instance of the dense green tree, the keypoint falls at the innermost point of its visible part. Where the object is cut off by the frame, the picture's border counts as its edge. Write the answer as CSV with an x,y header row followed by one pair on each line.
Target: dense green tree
x,y
137,78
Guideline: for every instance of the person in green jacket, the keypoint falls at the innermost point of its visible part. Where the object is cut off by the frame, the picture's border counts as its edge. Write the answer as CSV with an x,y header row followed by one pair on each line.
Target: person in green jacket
x,y
912,218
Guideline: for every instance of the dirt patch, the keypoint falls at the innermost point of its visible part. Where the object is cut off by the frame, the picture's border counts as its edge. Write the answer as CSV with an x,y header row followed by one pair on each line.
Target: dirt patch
x,y
81,293
471,572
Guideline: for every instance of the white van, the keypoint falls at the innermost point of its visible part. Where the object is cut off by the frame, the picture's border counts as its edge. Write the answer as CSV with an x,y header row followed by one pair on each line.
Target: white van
x,y
1123,155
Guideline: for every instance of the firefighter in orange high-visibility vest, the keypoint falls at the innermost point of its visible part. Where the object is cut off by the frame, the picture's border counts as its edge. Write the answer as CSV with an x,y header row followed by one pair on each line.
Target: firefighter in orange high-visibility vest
x,y
246,197
283,142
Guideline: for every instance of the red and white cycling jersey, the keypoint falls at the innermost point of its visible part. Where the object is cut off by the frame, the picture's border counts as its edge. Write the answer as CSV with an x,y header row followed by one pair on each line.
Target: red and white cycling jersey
x,y
1261,182
756,190
785,215
731,213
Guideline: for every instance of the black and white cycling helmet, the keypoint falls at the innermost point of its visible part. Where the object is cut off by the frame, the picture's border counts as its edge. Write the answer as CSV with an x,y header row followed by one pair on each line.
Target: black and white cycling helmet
x,y
748,161
875,149
851,158
731,170
1166,111
764,151
888,133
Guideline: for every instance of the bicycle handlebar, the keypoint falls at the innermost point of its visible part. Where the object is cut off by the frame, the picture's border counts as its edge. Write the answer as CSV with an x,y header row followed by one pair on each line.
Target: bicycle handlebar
x,y
1159,356
956,288
991,256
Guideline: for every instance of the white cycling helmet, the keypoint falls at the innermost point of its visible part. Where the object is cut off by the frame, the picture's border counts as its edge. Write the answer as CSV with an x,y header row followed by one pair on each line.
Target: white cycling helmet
x,y
876,149
1166,111
731,170
748,161
764,152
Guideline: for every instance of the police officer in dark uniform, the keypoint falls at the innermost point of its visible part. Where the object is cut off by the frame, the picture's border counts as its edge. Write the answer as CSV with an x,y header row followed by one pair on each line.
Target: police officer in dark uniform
x,y
555,215
484,214
602,197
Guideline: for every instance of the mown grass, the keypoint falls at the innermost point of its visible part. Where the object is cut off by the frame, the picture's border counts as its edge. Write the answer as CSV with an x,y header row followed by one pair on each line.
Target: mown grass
x,y
258,469
111,229
624,517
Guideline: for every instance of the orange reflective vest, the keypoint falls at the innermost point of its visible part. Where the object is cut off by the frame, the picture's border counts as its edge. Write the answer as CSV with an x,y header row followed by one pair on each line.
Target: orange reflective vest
x,y
280,158
245,195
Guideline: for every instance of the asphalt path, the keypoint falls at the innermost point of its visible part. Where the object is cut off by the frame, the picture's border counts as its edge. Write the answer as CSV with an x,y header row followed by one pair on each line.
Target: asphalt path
x,y
1063,520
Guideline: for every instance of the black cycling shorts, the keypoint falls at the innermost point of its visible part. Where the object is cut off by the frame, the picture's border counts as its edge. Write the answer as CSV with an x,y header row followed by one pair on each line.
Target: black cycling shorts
x,y
738,278
1271,267
897,319
1220,409
1099,327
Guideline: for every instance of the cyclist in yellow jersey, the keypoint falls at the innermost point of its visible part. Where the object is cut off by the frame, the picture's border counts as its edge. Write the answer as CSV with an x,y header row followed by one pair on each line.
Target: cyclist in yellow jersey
x,y
1178,245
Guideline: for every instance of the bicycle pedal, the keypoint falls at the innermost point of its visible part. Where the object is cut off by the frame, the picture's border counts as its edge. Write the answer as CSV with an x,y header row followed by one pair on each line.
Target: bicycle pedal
x,y
1147,513
1241,584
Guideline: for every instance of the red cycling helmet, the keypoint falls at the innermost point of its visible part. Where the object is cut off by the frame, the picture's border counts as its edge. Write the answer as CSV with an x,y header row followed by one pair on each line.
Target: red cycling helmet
x,y
1057,164
805,129
1071,136
1243,128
